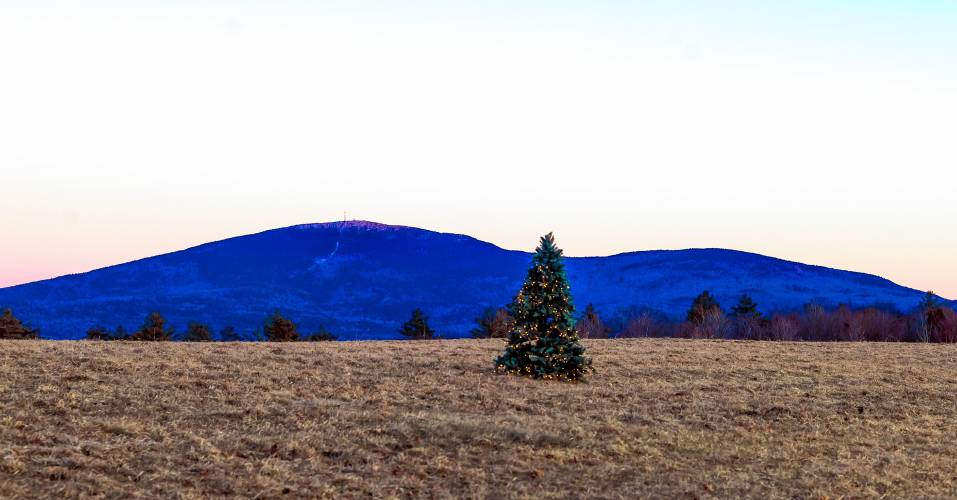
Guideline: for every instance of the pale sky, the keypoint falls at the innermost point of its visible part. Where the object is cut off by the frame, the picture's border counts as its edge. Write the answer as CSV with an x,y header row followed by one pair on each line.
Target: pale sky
x,y
810,131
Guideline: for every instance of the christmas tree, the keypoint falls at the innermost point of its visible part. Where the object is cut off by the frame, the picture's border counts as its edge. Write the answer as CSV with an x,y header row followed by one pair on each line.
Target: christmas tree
x,y
542,342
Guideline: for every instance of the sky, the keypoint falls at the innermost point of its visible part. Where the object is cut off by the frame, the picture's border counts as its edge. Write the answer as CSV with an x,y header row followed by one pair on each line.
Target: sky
x,y
818,131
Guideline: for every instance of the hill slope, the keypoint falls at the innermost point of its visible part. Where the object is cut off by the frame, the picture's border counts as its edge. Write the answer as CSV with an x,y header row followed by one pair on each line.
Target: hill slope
x,y
361,279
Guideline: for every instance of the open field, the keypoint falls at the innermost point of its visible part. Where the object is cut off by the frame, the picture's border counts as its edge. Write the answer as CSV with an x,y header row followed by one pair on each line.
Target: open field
x,y
412,419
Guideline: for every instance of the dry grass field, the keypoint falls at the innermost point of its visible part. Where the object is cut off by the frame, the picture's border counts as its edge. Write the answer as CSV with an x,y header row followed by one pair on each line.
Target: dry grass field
x,y
659,418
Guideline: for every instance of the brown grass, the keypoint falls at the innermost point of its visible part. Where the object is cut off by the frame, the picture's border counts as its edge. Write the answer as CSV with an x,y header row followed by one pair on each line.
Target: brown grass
x,y
432,419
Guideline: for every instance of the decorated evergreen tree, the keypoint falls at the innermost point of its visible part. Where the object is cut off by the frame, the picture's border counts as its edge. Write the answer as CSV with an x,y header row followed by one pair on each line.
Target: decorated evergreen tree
x,y
702,306
417,327
543,342
280,329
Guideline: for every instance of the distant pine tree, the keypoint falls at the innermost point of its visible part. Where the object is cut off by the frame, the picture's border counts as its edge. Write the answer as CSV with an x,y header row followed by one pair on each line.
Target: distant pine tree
x,y
590,326
198,332
229,334
12,328
543,342
746,320
929,301
102,333
417,327
494,323
98,333
746,308
154,329
120,333
323,335
701,307
280,329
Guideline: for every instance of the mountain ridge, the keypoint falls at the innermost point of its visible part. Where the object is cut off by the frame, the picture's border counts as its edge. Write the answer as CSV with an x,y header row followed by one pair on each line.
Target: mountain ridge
x,y
361,278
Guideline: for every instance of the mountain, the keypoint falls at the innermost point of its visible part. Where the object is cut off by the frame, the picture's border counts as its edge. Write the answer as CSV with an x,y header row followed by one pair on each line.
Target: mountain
x,y
362,279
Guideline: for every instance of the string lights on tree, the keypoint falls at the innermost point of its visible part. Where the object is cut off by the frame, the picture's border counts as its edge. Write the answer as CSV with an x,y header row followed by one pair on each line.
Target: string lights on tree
x,y
543,342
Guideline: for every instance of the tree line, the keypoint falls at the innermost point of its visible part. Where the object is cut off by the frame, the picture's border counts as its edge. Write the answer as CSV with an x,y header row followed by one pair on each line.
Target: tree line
x,y
931,321
277,328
